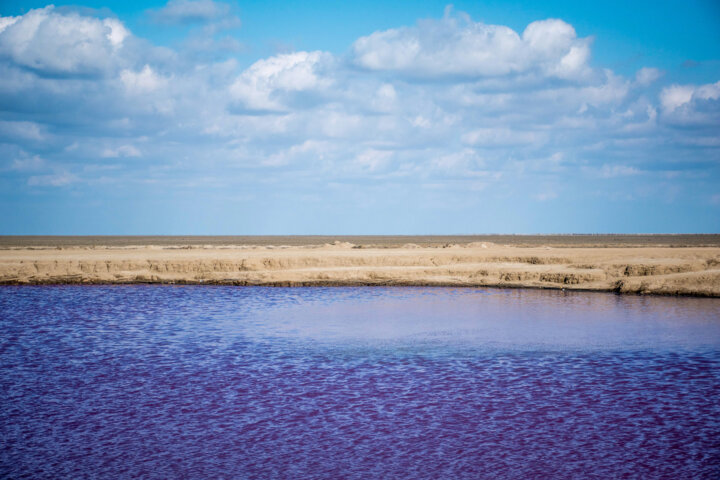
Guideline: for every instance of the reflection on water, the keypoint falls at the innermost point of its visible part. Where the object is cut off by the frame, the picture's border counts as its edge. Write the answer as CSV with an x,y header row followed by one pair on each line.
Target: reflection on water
x,y
207,382
491,319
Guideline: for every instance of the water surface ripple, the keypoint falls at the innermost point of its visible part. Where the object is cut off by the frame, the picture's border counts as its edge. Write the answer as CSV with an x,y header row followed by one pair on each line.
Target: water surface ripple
x,y
227,382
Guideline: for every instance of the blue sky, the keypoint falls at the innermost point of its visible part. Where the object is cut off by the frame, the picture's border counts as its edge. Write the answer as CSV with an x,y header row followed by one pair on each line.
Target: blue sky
x,y
204,117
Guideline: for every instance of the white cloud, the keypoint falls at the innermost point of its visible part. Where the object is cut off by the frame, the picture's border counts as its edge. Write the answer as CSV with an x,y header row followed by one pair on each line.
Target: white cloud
x,y
645,76
554,45
710,91
456,46
143,81
6,22
693,105
516,112
52,43
373,160
676,95
262,85
117,34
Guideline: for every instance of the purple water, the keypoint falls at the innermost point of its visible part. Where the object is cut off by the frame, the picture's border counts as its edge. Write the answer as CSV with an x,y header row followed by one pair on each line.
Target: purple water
x,y
225,382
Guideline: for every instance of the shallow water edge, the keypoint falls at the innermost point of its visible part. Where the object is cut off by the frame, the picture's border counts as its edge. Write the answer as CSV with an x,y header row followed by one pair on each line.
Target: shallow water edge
x,y
618,289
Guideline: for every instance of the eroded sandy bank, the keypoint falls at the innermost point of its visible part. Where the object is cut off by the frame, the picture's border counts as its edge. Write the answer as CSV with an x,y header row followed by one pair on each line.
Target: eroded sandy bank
x,y
657,270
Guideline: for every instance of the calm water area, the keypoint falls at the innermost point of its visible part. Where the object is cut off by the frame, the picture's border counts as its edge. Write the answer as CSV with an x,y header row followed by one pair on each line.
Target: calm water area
x,y
236,382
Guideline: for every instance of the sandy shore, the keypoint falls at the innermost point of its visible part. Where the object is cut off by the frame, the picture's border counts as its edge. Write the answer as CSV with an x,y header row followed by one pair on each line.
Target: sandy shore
x,y
673,269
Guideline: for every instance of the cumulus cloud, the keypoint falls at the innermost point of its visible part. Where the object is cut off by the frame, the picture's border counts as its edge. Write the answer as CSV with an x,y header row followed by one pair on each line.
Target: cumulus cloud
x,y
146,80
457,46
451,106
51,43
263,85
676,96
6,22
693,105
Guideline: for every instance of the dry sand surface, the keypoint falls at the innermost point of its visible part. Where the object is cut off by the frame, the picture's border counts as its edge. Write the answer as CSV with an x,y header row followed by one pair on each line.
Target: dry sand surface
x,y
673,265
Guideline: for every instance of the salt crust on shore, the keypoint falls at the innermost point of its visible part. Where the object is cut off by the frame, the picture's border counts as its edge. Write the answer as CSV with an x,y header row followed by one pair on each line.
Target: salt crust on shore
x,y
655,270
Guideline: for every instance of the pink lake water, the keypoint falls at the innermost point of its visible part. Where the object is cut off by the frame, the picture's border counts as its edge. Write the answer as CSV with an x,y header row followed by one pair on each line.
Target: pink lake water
x,y
235,382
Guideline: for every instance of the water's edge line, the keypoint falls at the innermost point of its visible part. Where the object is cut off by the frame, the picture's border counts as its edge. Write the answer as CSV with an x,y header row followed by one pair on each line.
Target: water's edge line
x,y
617,289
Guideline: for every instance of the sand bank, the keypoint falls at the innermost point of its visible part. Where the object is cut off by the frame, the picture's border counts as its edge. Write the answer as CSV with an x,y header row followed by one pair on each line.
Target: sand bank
x,y
676,270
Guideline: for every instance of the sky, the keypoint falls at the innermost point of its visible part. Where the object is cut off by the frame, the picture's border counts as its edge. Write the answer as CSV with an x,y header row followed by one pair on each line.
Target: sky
x,y
377,117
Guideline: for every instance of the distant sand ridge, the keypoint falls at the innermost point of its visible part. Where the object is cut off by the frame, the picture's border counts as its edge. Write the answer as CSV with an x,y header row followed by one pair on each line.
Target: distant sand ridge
x,y
637,269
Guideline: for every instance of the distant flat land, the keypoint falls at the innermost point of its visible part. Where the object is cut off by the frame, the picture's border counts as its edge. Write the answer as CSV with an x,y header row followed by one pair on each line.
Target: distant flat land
x,y
380,241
